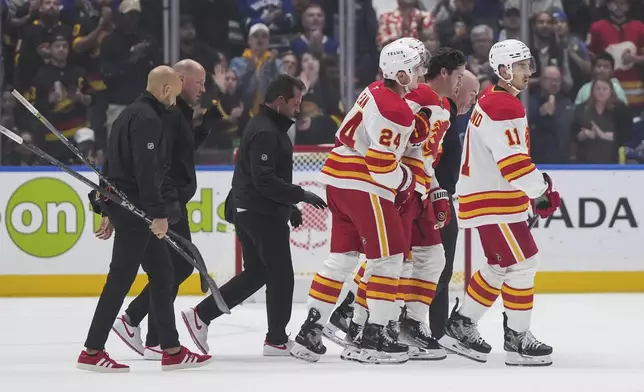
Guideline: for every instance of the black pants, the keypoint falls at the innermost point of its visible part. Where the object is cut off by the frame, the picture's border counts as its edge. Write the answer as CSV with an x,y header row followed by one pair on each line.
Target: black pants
x,y
439,309
140,306
267,261
134,246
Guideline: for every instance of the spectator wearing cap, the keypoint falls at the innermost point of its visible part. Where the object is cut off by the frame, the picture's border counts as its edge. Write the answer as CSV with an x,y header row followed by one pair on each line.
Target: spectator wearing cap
x,y
61,93
277,15
313,39
573,48
405,21
190,47
255,69
550,115
127,56
90,29
623,38
33,47
546,51
511,24
603,69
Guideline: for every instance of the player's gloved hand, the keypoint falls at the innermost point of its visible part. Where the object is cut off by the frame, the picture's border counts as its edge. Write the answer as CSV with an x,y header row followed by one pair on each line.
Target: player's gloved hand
x,y
314,200
546,204
173,209
406,190
426,113
440,203
296,217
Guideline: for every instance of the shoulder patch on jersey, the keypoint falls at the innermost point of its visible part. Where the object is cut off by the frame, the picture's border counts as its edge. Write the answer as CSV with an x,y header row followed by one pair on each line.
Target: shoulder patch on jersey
x,y
500,105
391,106
424,96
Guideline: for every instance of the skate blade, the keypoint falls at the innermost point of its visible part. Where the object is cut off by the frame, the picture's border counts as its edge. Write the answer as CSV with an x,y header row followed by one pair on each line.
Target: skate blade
x,y
516,359
351,353
422,354
453,345
374,357
300,352
329,331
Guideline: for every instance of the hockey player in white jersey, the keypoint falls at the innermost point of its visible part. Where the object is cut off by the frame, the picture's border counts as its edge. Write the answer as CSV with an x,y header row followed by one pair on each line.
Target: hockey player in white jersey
x,y
498,183
364,182
423,216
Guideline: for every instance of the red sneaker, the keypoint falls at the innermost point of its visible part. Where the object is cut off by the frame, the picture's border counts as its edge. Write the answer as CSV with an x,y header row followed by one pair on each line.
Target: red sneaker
x,y
186,359
100,362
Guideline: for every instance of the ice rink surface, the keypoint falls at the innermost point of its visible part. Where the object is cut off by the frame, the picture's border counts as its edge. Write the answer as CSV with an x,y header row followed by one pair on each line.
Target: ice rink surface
x,y
597,339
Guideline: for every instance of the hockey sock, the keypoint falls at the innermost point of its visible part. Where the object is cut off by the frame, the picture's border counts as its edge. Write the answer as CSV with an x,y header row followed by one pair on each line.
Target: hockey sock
x,y
382,288
361,310
404,285
327,284
429,262
484,288
518,293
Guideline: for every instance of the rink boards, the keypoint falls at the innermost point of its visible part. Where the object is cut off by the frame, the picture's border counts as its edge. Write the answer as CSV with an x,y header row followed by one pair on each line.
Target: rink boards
x,y
593,244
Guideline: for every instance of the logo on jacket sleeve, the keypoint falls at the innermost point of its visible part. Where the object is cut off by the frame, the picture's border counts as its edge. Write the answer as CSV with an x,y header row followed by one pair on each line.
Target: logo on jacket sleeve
x,y
150,146
264,157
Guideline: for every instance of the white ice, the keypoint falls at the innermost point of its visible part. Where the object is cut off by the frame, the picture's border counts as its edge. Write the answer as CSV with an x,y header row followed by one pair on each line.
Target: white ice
x,y
597,339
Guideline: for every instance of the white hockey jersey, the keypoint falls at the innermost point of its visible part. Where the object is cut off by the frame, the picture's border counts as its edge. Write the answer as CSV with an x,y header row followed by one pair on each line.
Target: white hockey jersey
x,y
370,143
497,178
421,160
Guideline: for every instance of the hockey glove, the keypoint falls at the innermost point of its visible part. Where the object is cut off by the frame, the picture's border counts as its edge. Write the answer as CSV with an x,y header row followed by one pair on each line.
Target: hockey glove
x,y
314,200
546,204
406,189
440,203
296,217
98,202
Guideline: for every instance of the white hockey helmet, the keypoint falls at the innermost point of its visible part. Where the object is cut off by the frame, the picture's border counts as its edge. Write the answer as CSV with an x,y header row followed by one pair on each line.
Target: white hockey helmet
x,y
418,46
506,53
396,57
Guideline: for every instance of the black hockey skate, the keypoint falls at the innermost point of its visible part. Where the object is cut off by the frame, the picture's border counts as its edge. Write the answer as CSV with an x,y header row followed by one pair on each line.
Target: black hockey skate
x,y
308,342
378,346
523,349
339,321
422,346
352,342
463,338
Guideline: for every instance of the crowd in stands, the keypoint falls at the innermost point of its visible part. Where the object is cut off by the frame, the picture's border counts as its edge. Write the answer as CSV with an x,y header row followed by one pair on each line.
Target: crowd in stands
x,y
82,61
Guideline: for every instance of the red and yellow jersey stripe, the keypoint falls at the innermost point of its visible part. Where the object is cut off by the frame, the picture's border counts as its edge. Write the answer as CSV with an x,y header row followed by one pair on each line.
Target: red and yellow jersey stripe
x,y
381,162
418,169
516,166
492,203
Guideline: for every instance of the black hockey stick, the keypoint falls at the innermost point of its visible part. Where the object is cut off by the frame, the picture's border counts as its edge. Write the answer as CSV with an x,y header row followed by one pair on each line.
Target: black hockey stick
x,y
178,243
205,285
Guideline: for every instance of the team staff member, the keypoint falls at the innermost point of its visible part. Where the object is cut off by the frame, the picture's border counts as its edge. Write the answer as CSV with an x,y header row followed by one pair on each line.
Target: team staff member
x,y
179,186
447,172
263,199
136,165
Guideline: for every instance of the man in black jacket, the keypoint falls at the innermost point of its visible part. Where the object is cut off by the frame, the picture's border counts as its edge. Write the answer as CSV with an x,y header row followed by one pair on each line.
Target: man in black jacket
x,y
179,186
447,172
263,199
136,166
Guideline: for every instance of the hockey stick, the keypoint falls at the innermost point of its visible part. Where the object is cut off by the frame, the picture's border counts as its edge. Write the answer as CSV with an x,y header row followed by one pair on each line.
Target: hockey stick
x,y
175,241
205,285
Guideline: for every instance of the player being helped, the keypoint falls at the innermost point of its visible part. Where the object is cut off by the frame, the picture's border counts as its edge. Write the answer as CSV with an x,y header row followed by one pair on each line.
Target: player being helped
x,y
423,215
365,182
497,185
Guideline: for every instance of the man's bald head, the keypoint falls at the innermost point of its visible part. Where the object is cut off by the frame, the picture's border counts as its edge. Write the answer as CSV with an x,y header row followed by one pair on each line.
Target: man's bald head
x,y
550,80
193,78
465,94
164,83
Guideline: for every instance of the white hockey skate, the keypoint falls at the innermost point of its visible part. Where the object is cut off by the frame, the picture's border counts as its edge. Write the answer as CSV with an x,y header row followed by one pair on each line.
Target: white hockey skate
x,y
523,349
282,350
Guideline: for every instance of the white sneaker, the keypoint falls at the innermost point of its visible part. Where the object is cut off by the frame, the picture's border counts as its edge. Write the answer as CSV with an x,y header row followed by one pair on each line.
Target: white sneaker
x,y
197,328
153,353
282,350
130,335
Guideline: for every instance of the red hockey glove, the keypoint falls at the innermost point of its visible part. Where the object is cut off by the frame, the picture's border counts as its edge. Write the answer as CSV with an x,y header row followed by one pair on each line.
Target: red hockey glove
x,y
440,203
406,189
546,204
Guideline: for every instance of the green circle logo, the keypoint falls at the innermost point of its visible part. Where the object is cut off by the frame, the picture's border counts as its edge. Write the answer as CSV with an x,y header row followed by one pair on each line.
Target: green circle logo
x,y
45,217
